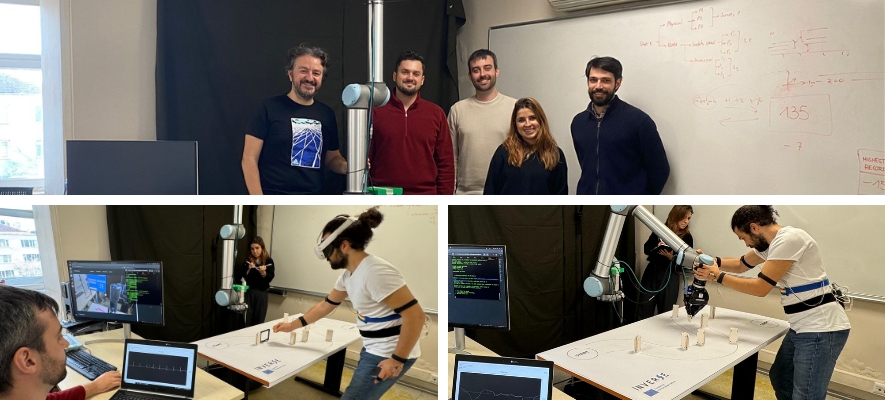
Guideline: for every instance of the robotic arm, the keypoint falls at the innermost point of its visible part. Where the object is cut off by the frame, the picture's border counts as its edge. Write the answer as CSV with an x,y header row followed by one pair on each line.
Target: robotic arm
x,y
696,296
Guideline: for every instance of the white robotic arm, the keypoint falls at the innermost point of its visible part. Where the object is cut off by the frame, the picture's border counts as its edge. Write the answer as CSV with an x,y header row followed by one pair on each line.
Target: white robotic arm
x,y
695,295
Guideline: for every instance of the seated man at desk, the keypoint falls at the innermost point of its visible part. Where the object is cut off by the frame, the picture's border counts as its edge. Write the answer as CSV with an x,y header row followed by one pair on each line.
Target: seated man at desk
x,y
32,352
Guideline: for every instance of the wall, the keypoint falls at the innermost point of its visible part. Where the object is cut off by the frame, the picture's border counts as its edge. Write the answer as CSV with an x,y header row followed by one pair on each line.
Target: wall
x,y
99,65
79,233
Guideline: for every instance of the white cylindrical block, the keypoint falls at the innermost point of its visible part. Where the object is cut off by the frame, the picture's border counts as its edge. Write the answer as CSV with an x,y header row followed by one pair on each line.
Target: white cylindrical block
x,y
675,310
637,344
304,335
286,317
704,320
329,335
712,312
257,338
733,336
702,337
684,340
292,337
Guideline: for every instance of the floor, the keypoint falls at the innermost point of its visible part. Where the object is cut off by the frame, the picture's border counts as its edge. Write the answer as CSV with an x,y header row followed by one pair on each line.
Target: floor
x,y
287,389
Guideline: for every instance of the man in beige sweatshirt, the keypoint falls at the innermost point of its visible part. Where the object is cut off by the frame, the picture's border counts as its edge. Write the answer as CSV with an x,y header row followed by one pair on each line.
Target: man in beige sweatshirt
x,y
479,124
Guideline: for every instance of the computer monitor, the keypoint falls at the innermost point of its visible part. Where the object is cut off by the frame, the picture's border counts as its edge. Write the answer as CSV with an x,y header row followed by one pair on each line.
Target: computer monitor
x,y
478,296
130,292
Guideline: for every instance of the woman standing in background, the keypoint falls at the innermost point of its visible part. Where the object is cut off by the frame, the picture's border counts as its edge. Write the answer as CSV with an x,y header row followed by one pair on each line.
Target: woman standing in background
x,y
259,271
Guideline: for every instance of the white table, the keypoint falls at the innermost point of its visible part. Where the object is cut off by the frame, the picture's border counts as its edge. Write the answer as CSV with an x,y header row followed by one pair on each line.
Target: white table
x,y
276,360
477,349
206,386
609,362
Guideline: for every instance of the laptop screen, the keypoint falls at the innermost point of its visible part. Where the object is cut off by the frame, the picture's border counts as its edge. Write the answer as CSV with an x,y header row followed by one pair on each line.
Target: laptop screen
x,y
493,377
160,367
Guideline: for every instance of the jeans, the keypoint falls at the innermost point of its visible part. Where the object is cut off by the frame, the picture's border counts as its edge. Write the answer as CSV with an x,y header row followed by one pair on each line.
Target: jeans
x,y
363,386
804,364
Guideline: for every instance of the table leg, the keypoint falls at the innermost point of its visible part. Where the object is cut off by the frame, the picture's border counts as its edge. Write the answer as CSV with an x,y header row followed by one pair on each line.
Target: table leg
x,y
245,387
743,383
332,381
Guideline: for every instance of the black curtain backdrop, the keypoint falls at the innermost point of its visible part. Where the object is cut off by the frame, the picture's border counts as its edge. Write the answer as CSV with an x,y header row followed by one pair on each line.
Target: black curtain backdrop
x,y
550,251
185,239
218,59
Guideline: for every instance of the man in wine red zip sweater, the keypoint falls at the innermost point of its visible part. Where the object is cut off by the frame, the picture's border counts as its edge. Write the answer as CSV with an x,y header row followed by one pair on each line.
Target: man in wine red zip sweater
x,y
411,146
32,350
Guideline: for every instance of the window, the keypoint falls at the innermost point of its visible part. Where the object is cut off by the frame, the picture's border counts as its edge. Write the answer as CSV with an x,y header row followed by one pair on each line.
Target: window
x,y
21,95
21,268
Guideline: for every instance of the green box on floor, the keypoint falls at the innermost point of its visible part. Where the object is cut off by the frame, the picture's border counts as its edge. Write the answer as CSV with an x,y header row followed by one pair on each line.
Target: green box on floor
x,y
384,190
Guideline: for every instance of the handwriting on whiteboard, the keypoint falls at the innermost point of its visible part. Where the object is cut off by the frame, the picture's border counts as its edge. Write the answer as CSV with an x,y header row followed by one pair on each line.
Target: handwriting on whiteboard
x,y
871,171
808,41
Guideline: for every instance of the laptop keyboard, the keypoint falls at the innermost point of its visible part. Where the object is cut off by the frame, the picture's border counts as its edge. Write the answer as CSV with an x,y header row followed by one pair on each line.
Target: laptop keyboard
x,y
131,396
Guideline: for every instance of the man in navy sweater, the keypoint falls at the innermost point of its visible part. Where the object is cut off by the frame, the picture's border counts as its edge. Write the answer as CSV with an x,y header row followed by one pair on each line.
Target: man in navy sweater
x,y
618,146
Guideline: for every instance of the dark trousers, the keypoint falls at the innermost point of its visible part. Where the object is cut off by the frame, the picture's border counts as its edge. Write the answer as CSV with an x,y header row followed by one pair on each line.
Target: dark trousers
x,y
654,278
257,301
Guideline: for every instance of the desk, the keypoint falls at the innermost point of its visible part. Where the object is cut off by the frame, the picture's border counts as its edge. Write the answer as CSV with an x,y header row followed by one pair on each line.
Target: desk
x,y
662,368
207,386
276,360
479,350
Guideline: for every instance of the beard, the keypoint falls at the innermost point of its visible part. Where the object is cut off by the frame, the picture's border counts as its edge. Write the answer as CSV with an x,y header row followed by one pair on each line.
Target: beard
x,y
599,102
54,372
341,263
492,81
759,242
400,87
303,94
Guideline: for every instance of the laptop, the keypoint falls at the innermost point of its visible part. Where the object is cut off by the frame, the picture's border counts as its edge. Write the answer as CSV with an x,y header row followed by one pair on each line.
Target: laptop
x,y
476,376
158,370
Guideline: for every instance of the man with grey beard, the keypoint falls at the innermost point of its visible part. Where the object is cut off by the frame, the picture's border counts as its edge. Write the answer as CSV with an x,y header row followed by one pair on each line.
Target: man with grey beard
x,y
32,350
292,138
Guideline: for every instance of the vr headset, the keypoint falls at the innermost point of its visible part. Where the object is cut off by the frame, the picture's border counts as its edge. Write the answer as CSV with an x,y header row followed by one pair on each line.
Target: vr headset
x,y
324,249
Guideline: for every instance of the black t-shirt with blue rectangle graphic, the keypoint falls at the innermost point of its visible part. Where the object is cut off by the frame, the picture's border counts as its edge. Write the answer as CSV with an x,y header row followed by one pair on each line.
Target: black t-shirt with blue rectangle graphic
x,y
296,138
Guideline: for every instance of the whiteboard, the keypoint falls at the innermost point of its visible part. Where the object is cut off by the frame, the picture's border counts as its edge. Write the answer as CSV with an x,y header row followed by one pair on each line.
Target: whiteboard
x,y
749,96
407,238
850,239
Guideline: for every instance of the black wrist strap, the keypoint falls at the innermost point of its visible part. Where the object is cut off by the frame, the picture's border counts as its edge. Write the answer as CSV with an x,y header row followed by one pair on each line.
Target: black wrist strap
x,y
719,262
405,306
721,277
303,321
332,302
745,262
767,279
398,358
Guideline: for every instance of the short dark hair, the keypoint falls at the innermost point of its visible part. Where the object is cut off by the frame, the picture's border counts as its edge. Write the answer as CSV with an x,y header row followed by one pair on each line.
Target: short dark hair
x,y
359,233
409,55
746,215
313,51
482,54
19,326
609,64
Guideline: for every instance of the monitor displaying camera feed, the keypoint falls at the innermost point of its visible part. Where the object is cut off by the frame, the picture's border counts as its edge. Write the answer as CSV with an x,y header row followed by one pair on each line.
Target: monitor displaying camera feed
x,y
117,291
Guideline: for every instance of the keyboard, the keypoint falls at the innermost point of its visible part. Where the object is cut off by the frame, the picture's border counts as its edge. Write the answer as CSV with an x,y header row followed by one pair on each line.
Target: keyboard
x,y
121,395
88,365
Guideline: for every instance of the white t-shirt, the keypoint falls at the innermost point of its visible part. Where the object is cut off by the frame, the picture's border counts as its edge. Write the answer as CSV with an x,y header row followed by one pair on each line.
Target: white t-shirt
x,y
372,281
477,129
796,245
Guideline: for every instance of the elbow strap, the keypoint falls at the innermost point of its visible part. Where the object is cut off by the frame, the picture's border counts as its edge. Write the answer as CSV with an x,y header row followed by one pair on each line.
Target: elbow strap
x,y
332,302
743,261
405,306
767,279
